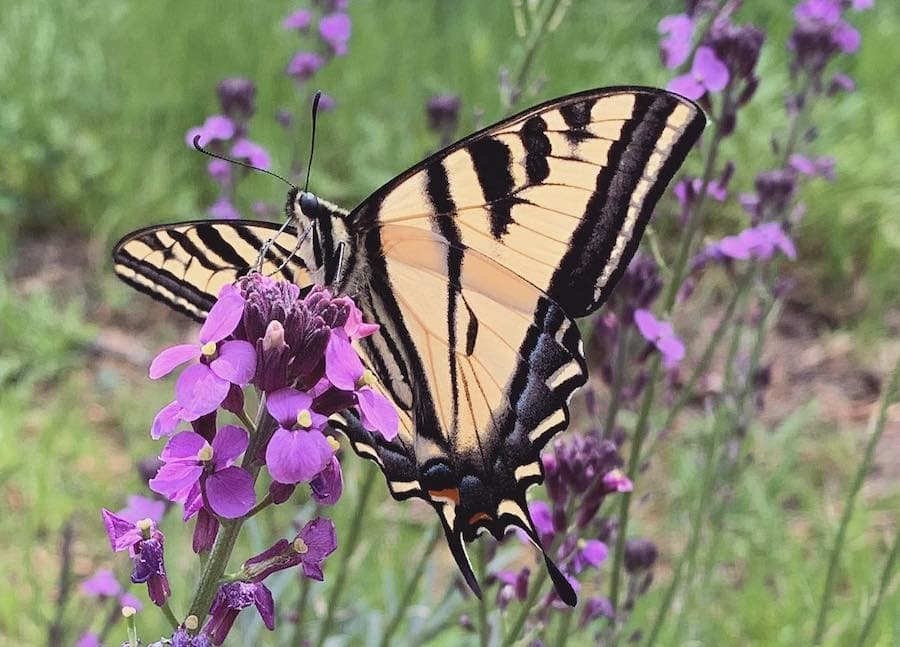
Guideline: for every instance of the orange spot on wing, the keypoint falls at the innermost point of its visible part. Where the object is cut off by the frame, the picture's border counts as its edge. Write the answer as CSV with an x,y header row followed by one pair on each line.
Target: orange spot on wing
x,y
479,516
451,494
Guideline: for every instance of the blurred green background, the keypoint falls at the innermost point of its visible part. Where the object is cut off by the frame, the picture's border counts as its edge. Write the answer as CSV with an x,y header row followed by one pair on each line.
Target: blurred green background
x,y
95,98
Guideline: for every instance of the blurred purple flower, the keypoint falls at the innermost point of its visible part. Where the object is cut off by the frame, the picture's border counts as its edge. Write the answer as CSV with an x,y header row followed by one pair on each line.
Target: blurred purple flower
x,y
819,167
195,471
216,127
708,74
231,598
596,607
819,34
181,638
442,111
299,20
513,585
255,154
640,555
738,46
676,46
298,450
202,387
758,242
327,103
304,65
141,507
589,554
862,5
220,171
841,83
335,31
223,209
88,639
237,97
101,584
662,335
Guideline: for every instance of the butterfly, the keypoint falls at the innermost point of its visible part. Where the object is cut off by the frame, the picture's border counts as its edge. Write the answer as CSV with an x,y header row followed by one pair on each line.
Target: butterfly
x,y
475,262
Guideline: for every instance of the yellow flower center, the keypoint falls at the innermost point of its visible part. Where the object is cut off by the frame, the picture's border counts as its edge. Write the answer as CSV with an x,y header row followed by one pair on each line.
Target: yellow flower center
x,y
191,622
205,453
128,611
300,546
335,445
144,525
366,379
208,349
304,418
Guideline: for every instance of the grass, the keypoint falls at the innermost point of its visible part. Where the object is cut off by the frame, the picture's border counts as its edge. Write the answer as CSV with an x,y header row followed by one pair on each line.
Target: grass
x,y
96,99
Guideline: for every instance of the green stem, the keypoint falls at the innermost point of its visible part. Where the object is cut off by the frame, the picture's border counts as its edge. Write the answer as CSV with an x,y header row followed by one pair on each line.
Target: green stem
x,y
484,627
618,379
167,612
264,503
215,565
562,633
359,512
890,395
411,585
531,48
671,293
688,558
886,575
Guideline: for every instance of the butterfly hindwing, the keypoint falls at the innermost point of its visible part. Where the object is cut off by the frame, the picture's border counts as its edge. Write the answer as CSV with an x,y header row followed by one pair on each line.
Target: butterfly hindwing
x,y
184,265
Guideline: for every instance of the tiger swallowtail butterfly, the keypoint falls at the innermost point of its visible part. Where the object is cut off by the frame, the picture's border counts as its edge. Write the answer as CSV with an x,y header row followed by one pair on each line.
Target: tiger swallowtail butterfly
x,y
476,263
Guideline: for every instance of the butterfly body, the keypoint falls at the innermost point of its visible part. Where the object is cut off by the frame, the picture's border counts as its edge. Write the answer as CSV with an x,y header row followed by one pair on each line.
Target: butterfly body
x,y
475,263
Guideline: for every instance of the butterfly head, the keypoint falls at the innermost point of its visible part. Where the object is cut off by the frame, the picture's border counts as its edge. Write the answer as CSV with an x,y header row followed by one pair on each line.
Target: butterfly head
x,y
325,244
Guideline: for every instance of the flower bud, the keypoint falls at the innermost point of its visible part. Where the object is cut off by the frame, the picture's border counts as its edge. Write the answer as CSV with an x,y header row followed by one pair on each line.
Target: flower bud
x,y
640,555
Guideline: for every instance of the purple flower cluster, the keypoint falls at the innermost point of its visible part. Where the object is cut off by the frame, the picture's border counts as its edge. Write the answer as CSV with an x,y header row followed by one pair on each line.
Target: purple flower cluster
x,y
296,350
820,33
332,39
581,471
226,134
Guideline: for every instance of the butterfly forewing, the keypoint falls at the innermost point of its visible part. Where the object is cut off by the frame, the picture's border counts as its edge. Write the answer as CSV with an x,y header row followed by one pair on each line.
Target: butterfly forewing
x,y
185,265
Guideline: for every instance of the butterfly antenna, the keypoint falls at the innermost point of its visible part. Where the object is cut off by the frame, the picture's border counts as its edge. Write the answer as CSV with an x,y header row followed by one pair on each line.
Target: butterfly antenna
x,y
231,160
312,142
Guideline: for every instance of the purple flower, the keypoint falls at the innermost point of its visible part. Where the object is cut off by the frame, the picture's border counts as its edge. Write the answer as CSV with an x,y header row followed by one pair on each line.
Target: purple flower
x,y
216,127
194,470
841,83
862,5
202,387
759,242
101,584
661,335
315,541
299,20
514,585
615,480
304,65
327,103
442,111
595,608
345,371
298,450
543,520
335,31
640,555
181,638
88,639
231,598
223,209
708,74
237,97
328,485
820,166
819,34
738,46
676,46
219,171
255,154
589,554
144,542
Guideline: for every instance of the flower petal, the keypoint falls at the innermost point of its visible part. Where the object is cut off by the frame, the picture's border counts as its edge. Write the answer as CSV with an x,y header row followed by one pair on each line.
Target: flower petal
x,y
594,552
141,507
342,365
230,442
166,421
230,492
687,86
265,604
294,456
328,485
285,404
378,413
101,584
166,361
320,537
236,362
174,480
200,391
647,324
121,532
224,316
183,446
